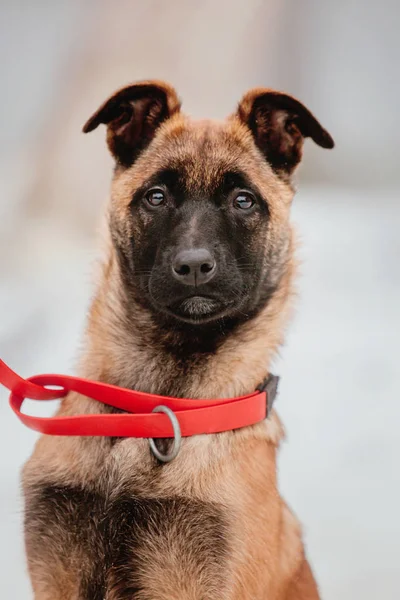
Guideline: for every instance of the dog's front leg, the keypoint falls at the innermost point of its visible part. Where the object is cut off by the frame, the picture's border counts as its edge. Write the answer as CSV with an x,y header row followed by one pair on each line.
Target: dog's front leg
x,y
303,585
52,594
49,584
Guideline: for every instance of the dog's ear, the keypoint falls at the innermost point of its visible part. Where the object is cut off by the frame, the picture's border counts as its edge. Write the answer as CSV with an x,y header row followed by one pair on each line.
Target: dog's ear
x,y
132,116
279,123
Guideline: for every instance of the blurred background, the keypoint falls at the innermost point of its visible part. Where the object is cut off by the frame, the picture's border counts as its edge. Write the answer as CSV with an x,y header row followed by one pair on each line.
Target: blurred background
x,y
340,387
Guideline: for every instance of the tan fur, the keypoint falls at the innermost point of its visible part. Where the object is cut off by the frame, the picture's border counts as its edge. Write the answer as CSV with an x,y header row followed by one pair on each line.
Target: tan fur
x,y
234,470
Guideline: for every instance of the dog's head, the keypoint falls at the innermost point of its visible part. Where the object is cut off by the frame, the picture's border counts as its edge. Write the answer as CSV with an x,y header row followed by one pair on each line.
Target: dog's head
x,y
200,209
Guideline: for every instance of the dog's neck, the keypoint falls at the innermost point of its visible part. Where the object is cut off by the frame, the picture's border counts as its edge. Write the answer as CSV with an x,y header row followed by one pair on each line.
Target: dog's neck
x,y
126,346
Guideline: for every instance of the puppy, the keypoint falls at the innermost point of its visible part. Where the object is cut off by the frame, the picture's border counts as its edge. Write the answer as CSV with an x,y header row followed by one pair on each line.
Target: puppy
x,y
194,295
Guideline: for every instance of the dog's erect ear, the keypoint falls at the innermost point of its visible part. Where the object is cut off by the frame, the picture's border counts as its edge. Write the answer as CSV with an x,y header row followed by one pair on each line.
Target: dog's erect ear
x,y
132,116
279,124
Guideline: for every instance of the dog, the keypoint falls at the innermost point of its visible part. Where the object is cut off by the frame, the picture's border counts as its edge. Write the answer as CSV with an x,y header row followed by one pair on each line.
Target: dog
x,y
195,292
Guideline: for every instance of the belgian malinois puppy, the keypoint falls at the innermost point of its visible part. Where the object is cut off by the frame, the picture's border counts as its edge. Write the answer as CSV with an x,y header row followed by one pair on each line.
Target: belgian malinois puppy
x,y
193,298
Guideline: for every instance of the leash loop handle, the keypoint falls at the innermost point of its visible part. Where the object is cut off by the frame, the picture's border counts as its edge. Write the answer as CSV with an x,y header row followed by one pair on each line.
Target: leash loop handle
x,y
173,453
30,388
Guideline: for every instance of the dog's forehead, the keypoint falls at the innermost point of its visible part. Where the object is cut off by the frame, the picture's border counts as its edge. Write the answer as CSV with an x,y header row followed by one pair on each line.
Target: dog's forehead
x,y
202,151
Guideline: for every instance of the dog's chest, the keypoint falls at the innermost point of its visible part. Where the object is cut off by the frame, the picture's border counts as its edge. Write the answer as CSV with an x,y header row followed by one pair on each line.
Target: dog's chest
x,y
122,542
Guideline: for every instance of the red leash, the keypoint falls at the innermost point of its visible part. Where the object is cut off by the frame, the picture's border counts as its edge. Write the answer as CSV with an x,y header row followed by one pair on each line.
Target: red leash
x,y
194,416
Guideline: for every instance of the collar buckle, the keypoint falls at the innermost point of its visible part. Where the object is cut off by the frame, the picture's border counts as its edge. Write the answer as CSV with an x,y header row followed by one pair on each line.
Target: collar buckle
x,y
270,387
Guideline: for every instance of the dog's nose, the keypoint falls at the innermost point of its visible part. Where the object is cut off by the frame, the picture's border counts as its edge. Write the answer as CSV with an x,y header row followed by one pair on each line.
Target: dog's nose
x,y
193,267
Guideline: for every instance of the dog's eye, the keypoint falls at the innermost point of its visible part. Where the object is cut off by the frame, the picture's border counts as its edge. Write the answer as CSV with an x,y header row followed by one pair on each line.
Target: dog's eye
x,y
244,201
155,197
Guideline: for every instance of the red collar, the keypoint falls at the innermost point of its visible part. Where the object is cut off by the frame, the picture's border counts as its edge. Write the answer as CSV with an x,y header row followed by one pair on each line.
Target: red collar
x,y
194,416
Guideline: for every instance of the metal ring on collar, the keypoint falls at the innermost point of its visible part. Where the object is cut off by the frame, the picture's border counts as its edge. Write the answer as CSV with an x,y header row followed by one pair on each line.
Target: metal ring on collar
x,y
177,436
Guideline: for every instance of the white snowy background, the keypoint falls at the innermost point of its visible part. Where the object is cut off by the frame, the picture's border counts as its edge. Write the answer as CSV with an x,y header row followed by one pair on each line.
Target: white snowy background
x,y
340,388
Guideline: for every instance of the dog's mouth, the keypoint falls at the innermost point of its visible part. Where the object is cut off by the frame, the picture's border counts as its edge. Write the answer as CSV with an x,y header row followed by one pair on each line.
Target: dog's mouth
x,y
198,309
